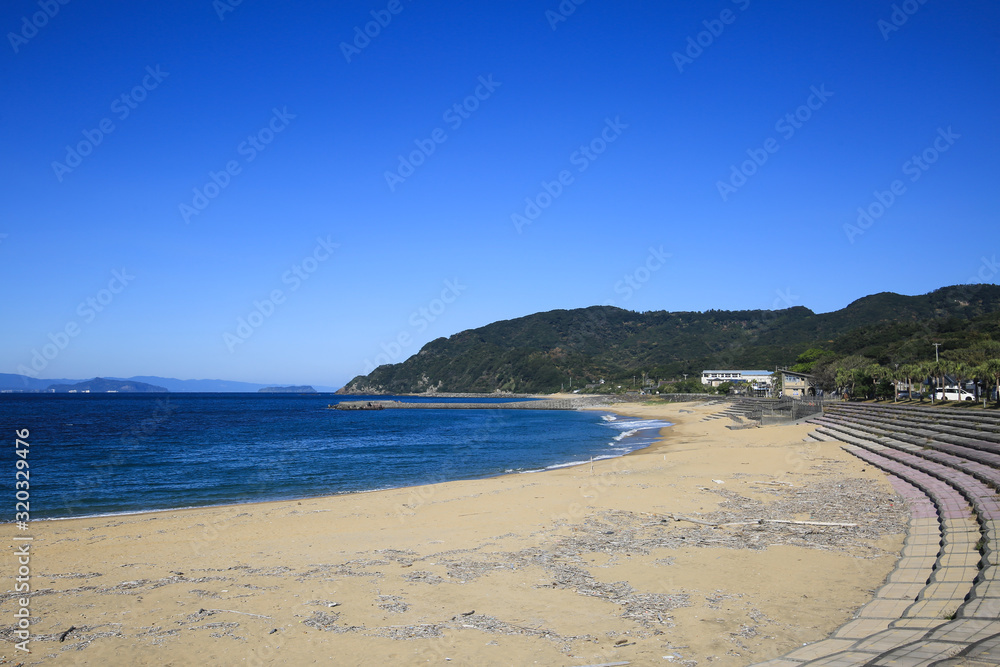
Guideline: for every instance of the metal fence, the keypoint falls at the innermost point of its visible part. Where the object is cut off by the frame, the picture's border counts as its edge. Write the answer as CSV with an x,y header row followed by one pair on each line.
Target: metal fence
x,y
778,410
686,398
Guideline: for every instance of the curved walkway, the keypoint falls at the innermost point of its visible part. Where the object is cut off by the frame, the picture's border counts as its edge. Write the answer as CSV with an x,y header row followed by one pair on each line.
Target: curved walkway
x,y
941,605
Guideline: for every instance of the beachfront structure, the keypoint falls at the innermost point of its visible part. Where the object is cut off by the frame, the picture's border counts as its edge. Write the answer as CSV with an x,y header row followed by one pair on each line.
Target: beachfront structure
x,y
715,378
797,385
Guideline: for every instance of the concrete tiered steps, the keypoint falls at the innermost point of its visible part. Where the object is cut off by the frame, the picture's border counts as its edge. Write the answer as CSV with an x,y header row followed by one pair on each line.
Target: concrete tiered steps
x,y
941,605
739,412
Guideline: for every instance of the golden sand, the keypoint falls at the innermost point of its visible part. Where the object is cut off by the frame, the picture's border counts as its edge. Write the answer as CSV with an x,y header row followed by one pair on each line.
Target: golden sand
x,y
574,566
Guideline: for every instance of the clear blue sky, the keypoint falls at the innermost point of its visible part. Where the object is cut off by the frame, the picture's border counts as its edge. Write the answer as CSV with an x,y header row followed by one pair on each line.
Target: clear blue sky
x,y
308,130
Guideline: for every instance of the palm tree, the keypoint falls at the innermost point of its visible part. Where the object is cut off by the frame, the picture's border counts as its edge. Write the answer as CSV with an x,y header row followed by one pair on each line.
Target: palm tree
x,y
896,373
861,376
910,371
928,369
976,358
992,369
945,369
845,377
933,369
961,372
982,378
877,373
851,370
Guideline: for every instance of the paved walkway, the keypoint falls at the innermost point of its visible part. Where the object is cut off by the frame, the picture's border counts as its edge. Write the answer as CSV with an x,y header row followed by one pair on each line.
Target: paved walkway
x,y
941,605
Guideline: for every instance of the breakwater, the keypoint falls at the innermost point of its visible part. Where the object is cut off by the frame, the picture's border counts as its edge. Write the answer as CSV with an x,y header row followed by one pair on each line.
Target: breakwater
x,y
563,404
574,403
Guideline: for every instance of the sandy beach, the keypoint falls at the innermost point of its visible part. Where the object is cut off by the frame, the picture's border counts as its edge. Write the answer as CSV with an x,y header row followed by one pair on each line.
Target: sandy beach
x,y
574,566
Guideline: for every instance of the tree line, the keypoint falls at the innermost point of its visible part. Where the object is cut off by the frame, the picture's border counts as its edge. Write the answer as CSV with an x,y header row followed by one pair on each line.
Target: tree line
x,y
861,377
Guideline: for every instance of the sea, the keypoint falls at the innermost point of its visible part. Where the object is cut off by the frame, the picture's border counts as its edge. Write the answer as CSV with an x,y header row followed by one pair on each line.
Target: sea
x,y
103,454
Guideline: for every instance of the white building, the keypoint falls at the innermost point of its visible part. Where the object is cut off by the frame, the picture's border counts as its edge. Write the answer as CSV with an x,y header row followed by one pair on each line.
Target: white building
x,y
756,379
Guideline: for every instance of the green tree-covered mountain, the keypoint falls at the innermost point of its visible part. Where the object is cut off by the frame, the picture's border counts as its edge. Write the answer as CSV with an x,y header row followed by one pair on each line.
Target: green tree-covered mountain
x,y
543,352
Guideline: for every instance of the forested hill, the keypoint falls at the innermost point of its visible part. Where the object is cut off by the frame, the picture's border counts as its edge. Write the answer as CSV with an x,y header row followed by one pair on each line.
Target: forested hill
x,y
542,352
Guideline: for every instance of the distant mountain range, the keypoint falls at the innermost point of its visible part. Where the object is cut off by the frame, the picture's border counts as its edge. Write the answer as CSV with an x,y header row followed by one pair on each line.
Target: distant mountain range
x,y
548,351
559,349
21,383
105,386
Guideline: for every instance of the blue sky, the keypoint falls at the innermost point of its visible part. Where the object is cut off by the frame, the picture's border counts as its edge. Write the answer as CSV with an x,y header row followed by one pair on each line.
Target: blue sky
x,y
591,157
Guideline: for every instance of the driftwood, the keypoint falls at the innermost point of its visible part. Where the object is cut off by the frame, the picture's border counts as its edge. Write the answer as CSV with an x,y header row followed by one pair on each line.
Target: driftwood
x,y
811,523
233,611
690,520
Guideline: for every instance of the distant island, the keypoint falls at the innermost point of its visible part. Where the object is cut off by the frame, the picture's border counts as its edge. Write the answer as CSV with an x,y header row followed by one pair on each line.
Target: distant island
x,y
305,389
105,386
23,384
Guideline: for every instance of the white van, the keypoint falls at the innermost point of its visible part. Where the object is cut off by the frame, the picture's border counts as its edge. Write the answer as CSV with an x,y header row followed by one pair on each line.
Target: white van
x,y
954,394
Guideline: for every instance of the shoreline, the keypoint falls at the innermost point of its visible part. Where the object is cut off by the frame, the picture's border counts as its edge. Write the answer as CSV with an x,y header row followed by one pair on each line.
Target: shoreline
x,y
557,568
554,466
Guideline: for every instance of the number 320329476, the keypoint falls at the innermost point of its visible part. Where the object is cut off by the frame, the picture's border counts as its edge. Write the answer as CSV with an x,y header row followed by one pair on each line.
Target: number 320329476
x,y
22,476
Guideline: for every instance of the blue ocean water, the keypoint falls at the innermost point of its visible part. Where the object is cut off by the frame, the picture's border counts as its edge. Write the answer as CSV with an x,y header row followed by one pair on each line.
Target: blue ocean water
x,y
93,454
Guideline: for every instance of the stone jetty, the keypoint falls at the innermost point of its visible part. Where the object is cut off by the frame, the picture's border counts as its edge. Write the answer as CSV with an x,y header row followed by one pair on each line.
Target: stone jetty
x,y
574,403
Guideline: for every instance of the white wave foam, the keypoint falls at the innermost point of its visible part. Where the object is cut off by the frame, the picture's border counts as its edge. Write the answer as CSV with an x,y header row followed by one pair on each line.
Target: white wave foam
x,y
570,464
